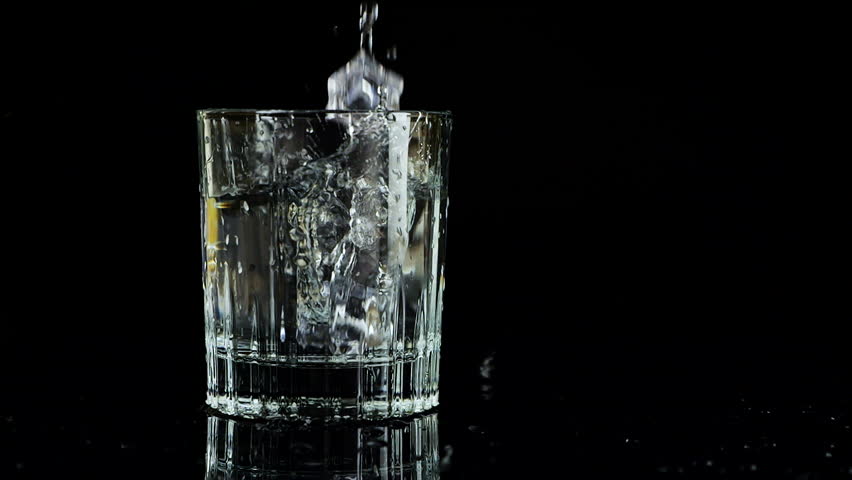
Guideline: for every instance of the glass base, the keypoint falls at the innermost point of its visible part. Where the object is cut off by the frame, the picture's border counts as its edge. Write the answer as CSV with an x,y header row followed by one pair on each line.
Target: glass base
x,y
331,391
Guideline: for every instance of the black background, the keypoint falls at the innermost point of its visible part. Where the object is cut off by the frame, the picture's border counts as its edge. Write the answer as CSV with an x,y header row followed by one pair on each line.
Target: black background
x,y
638,232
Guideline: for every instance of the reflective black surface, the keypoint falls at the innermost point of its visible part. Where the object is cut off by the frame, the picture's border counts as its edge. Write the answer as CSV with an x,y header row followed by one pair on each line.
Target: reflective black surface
x,y
484,428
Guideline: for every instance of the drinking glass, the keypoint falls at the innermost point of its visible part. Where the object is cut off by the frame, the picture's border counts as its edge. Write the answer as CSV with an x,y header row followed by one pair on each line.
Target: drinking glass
x,y
323,238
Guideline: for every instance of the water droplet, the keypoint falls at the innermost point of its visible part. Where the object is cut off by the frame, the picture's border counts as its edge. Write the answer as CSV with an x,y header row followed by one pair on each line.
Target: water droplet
x,y
246,207
446,458
753,467
486,368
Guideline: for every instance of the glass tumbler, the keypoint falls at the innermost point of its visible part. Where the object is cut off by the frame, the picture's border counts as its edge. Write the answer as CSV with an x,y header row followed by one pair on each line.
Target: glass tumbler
x,y
323,237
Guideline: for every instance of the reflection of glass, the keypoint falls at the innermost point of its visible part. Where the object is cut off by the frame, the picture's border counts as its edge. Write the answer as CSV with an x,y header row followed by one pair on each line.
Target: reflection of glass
x,y
323,241
402,449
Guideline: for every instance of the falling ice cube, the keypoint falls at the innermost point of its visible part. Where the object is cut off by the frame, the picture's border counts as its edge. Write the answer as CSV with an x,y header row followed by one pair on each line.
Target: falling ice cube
x,y
364,84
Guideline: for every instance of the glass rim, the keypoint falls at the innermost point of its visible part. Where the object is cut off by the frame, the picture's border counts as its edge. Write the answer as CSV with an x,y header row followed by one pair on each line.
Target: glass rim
x,y
236,112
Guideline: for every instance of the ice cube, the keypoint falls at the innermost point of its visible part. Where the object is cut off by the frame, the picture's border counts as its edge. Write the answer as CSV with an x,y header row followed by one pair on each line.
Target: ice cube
x,y
364,84
357,313
368,214
318,221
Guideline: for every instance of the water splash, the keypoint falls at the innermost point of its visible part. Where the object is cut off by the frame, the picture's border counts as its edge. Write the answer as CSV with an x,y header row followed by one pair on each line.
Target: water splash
x,y
364,83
